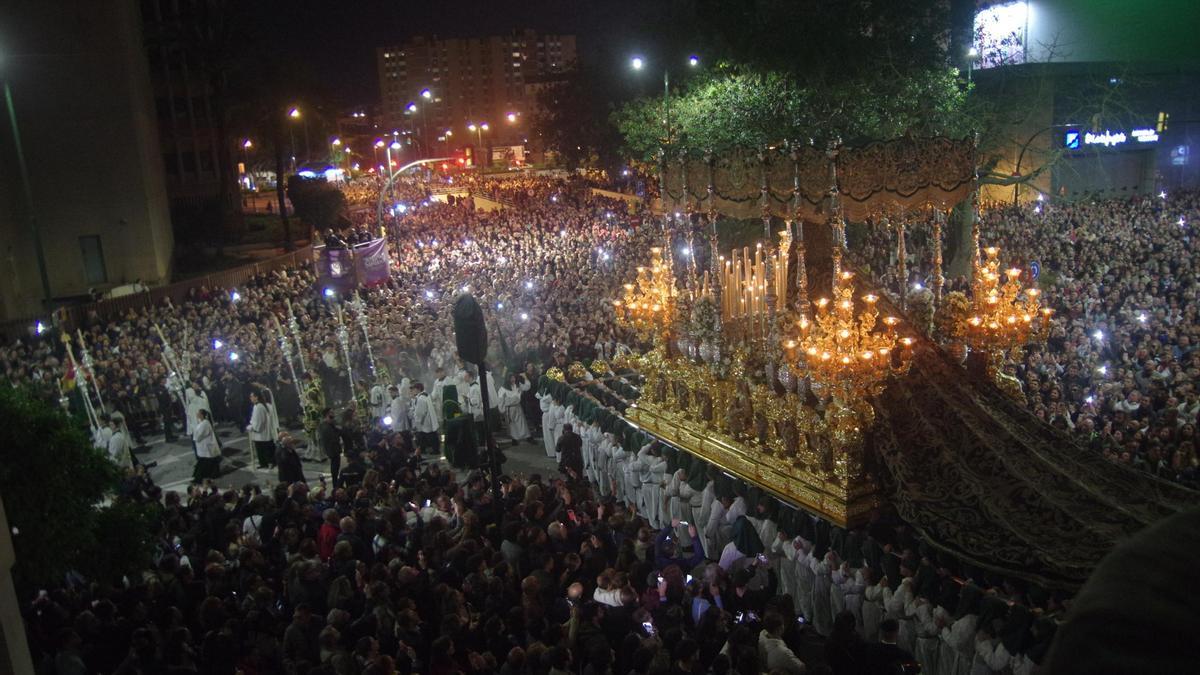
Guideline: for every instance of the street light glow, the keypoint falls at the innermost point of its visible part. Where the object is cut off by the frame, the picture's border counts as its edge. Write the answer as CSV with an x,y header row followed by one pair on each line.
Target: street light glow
x,y
336,142
396,145
511,117
637,63
972,52
412,107
426,94
693,60
379,143
484,126
294,113
247,145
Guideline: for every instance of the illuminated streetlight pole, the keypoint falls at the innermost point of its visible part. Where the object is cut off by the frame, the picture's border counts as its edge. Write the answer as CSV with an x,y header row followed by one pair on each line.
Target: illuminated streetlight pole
x,y
293,114
31,214
428,96
637,63
478,129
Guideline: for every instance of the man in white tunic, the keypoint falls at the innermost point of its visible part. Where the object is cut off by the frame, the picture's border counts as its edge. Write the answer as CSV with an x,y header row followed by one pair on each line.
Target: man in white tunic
x,y
546,402
118,444
259,430
510,406
398,410
379,402
424,420
604,452
195,400
439,384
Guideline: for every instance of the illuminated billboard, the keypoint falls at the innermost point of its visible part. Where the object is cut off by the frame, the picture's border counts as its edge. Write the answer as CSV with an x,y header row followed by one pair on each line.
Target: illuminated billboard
x,y
1002,34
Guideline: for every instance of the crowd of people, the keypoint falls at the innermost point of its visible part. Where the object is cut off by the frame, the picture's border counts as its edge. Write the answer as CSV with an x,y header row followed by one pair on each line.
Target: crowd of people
x,y
634,560
1117,370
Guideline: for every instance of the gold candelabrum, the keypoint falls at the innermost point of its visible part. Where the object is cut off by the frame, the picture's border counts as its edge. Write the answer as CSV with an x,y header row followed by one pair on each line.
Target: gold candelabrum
x,y
841,348
648,305
1004,314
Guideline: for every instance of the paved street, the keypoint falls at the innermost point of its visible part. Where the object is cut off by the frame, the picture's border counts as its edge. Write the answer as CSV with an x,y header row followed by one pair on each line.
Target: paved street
x,y
176,461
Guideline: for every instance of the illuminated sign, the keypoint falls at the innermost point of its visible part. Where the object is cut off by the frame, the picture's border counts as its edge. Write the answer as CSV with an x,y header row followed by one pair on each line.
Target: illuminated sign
x,y
1144,135
1108,138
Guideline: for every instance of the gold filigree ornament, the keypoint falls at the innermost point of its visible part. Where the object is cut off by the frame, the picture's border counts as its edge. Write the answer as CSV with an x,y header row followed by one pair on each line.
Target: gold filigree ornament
x,y
600,368
576,372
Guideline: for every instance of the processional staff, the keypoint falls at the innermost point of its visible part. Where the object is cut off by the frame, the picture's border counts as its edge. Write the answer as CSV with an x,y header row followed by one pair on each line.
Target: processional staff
x,y
285,346
88,366
82,378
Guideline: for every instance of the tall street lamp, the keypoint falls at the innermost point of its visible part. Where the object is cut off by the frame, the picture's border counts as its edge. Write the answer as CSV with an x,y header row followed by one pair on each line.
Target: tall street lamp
x,y
246,145
378,144
31,214
637,63
478,129
334,146
294,114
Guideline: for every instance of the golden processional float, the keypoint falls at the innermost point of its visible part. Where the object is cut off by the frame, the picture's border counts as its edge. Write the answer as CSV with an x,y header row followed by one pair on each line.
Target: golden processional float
x,y
744,370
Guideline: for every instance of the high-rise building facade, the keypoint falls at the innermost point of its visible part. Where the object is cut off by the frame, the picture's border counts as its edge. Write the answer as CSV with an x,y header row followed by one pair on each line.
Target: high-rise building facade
x,y
185,107
83,204
469,81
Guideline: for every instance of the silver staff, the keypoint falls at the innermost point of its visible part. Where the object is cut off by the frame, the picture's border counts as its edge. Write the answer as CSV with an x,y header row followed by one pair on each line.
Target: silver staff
x,y
294,326
88,367
360,315
285,345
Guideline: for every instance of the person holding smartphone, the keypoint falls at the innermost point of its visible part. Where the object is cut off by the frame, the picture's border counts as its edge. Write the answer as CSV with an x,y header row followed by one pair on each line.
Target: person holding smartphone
x,y
667,551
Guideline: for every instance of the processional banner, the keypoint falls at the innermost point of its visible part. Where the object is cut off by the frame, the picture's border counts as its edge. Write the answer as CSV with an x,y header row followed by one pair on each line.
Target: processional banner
x,y
344,269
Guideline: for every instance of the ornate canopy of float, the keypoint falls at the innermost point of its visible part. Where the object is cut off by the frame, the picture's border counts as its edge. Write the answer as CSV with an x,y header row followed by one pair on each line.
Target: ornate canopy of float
x,y
766,362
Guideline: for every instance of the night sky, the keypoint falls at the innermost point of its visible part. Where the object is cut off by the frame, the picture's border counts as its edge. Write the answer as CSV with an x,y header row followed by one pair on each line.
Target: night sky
x,y
337,40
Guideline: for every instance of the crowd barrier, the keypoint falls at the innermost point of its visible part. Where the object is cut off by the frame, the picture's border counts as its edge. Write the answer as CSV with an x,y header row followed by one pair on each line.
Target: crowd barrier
x,y
74,316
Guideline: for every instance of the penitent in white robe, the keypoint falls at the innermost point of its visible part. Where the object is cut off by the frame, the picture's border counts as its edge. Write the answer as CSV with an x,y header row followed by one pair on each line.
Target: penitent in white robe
x,y
549,420
510,405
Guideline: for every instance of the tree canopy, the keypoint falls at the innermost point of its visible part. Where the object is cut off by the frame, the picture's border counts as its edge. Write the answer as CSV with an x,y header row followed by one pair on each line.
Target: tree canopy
x,y
318,204
742,106
53,483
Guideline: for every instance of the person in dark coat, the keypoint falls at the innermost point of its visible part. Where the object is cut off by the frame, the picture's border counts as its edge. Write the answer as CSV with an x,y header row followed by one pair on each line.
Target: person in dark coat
x,y
570,452
886,656
331,442
291,470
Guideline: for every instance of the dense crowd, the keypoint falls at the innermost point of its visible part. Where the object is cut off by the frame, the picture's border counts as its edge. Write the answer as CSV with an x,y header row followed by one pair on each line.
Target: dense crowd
x,y
1117,370
636,560
544,273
